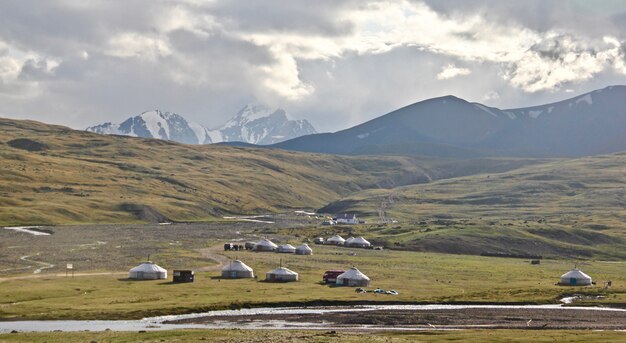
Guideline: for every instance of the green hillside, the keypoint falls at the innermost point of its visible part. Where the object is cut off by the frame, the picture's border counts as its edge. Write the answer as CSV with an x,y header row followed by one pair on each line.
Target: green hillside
x,y
570,208
52,175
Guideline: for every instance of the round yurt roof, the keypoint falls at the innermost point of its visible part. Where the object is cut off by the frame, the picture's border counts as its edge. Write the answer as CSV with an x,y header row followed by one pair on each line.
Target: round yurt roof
x,y
349,239
359,240
287,247
353,274
576,274
336,238
237,266
148,267
282,271
267,243
304,247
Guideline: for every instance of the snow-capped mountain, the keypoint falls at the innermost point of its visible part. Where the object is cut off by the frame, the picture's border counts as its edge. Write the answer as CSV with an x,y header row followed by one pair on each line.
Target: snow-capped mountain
x,y
255,124
152,124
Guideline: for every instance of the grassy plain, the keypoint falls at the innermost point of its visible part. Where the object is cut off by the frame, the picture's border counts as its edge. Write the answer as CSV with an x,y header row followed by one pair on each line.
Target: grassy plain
x,y
243,336
418,277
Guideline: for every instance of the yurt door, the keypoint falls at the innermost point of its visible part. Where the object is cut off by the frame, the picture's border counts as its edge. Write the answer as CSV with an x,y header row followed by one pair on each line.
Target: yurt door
x,y
572,281
233,275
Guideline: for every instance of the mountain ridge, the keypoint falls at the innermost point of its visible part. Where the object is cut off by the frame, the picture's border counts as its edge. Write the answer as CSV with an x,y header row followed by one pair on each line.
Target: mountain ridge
x,y
255,124
587,124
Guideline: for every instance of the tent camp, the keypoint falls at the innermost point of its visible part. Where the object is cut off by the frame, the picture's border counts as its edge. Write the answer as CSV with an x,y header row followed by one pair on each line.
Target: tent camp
x,y
353,278
358,242
147,271
281,274
304,249
287,249
237,270
265,245
575,277
335,240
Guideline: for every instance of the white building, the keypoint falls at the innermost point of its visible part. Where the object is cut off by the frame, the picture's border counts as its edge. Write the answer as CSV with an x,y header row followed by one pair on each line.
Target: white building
x,y
358,242
281,274
265,245
304,249
286,249
237,270
575,277
346,218
147,271
335,240
353,278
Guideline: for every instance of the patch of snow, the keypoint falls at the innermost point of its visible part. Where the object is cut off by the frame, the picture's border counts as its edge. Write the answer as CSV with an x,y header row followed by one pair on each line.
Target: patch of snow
x,y
215,135
550,109
586,98
363,135
154,122
510,114
535,114
199,131
485,109
27,229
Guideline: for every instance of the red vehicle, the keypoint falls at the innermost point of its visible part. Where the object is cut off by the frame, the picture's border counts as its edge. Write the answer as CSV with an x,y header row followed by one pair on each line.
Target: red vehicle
x,y
330,276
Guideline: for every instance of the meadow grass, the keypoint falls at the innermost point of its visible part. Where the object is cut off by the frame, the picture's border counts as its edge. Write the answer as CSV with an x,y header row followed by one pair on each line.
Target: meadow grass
x,y
418,277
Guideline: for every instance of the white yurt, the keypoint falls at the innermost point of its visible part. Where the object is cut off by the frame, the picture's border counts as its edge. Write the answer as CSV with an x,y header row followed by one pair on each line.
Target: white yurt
x,y
304,249
335,240
353,278
287,249
147,271
265,245
575,277
237,270
348,240
281,274
358,242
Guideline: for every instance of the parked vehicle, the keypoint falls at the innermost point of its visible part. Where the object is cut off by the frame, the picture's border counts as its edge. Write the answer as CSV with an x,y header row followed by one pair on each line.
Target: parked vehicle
x,y
330,276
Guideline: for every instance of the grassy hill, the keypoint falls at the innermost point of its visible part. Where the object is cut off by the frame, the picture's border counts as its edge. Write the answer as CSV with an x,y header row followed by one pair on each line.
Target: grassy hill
x,y
572,208
52,174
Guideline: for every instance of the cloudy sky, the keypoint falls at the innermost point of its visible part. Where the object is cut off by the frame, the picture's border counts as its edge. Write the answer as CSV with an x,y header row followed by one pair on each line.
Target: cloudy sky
x,y
336,63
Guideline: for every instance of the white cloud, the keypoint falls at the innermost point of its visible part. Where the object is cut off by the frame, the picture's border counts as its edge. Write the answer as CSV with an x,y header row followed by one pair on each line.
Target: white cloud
x,y
133,44
451,71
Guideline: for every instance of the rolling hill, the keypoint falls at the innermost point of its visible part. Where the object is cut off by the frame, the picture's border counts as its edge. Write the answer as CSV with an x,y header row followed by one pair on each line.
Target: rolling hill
x,y
573,208
55,175
589,124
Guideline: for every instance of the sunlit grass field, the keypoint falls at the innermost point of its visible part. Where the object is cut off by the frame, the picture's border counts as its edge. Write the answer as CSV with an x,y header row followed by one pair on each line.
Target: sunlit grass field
x,y
418,277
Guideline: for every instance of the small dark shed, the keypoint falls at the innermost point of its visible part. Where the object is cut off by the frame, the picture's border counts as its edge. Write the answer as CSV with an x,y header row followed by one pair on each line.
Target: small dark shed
x,y
183,276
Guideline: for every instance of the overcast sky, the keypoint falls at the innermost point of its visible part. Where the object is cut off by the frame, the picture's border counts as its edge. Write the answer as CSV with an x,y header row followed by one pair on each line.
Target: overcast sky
x,y
336,63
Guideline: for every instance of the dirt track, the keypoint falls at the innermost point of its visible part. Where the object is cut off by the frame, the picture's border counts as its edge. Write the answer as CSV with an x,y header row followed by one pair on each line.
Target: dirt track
x,y
447,318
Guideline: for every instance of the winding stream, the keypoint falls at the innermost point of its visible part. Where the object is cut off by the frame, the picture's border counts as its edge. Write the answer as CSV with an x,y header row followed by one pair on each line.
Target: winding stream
x,y
159,323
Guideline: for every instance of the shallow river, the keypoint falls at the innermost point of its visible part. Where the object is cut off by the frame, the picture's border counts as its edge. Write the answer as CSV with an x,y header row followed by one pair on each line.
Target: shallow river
x,y
157,323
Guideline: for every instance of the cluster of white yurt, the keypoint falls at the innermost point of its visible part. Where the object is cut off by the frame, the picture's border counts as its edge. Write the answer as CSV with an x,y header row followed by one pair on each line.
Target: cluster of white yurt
x,y
281,274
237,270
335,240
265,245
353,278
286,249
575,277
304,249
357,242
147,271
